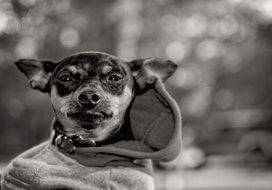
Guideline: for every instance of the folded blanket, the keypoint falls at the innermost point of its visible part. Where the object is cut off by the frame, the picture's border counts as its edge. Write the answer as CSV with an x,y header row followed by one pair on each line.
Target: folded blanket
x,y
156,127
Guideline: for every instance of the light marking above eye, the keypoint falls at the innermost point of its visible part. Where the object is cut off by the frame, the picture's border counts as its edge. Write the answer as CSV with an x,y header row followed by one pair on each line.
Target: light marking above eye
x,y
106,69
73,69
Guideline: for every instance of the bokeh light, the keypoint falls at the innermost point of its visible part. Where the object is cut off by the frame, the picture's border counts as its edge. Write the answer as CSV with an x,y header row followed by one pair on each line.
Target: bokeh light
x,y
27,47
3,21
208,49
69,37
175,51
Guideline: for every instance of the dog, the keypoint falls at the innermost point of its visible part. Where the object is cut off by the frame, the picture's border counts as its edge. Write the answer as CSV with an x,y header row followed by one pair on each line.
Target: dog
x,y
92,94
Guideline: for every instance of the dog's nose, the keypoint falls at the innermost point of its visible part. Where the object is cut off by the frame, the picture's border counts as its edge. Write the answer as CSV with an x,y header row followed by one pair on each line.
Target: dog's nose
x,y
88,100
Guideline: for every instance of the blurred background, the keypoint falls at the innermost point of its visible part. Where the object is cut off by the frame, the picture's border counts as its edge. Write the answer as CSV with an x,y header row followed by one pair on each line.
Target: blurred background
x,y
223,84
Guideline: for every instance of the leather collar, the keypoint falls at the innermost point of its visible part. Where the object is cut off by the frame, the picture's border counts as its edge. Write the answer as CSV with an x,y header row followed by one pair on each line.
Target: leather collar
x,y
71,143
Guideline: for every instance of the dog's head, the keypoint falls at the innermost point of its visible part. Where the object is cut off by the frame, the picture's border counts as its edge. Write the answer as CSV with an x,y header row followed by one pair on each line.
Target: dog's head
x,y
90,92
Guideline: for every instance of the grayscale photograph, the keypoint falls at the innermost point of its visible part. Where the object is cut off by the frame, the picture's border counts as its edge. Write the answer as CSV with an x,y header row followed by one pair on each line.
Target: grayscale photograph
x,y
135,95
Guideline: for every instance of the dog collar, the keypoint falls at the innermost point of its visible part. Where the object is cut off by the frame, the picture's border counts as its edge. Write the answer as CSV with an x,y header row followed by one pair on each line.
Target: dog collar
x,y
70,143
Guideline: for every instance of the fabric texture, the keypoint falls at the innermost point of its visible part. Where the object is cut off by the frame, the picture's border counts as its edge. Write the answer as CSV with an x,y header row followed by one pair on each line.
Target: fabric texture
x,y
156,126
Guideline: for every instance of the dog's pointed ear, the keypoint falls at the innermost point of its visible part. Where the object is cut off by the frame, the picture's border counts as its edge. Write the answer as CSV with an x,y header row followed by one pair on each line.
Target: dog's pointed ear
x,y
37,72
148,71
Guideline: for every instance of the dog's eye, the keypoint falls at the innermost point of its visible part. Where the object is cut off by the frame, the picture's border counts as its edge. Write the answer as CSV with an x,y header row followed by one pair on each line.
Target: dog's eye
x,y
65,78
114,78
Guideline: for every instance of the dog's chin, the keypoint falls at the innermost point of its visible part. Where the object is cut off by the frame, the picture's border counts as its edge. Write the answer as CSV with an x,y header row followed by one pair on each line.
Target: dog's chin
x,y
90,120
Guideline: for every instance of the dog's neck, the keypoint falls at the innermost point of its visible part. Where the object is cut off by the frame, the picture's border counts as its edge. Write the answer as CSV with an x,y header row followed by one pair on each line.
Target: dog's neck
x,y
70,142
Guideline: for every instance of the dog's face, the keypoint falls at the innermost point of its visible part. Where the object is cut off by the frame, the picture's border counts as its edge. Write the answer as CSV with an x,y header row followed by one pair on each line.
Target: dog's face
x,y
91,92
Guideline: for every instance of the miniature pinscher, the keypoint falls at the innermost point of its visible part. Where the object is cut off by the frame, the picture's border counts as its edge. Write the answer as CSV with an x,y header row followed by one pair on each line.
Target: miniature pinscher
x,y
91,92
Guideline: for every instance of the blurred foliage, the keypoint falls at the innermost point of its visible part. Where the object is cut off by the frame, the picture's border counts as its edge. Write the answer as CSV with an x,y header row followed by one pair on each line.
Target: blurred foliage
x,y
223,49
47,30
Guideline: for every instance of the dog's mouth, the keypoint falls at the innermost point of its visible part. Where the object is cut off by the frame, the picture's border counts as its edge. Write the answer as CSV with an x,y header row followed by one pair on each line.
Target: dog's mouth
x,y
90,119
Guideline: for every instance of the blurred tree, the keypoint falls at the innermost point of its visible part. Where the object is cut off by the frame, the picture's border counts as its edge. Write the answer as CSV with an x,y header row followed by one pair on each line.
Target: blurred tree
x,y
44,30
223,52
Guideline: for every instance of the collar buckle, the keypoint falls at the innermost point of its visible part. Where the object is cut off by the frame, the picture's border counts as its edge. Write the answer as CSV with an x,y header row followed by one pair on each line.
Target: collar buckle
x,y
65,143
